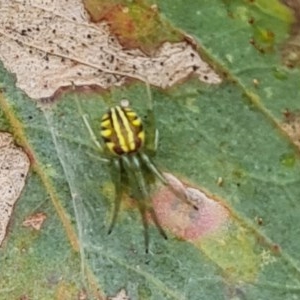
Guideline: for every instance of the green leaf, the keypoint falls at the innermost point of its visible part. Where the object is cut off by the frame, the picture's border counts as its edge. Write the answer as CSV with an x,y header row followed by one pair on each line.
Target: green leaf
x,y
237,142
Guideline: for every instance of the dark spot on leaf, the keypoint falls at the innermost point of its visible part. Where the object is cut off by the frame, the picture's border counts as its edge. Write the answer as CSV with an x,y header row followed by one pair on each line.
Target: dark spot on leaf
x,y
260,221
251,20
276,248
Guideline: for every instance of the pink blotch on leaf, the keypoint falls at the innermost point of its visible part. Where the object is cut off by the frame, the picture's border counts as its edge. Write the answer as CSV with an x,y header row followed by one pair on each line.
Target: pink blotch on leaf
x,y
181,218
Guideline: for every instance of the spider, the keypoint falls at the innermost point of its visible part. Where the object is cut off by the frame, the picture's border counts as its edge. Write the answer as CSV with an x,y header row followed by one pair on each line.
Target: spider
x,y
126,146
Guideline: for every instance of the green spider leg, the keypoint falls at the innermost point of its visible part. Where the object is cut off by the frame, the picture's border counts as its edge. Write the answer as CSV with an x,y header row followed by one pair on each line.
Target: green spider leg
x,y
134,171
93,137
152,134
151,147
116,177
151,142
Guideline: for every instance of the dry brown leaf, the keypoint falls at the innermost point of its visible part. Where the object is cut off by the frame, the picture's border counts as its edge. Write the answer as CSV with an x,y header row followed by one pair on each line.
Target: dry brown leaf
x,y
14,166
52,44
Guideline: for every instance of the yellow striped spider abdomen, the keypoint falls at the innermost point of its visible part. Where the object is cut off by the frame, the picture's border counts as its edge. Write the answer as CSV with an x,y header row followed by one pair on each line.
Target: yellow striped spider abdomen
x,y
122,130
